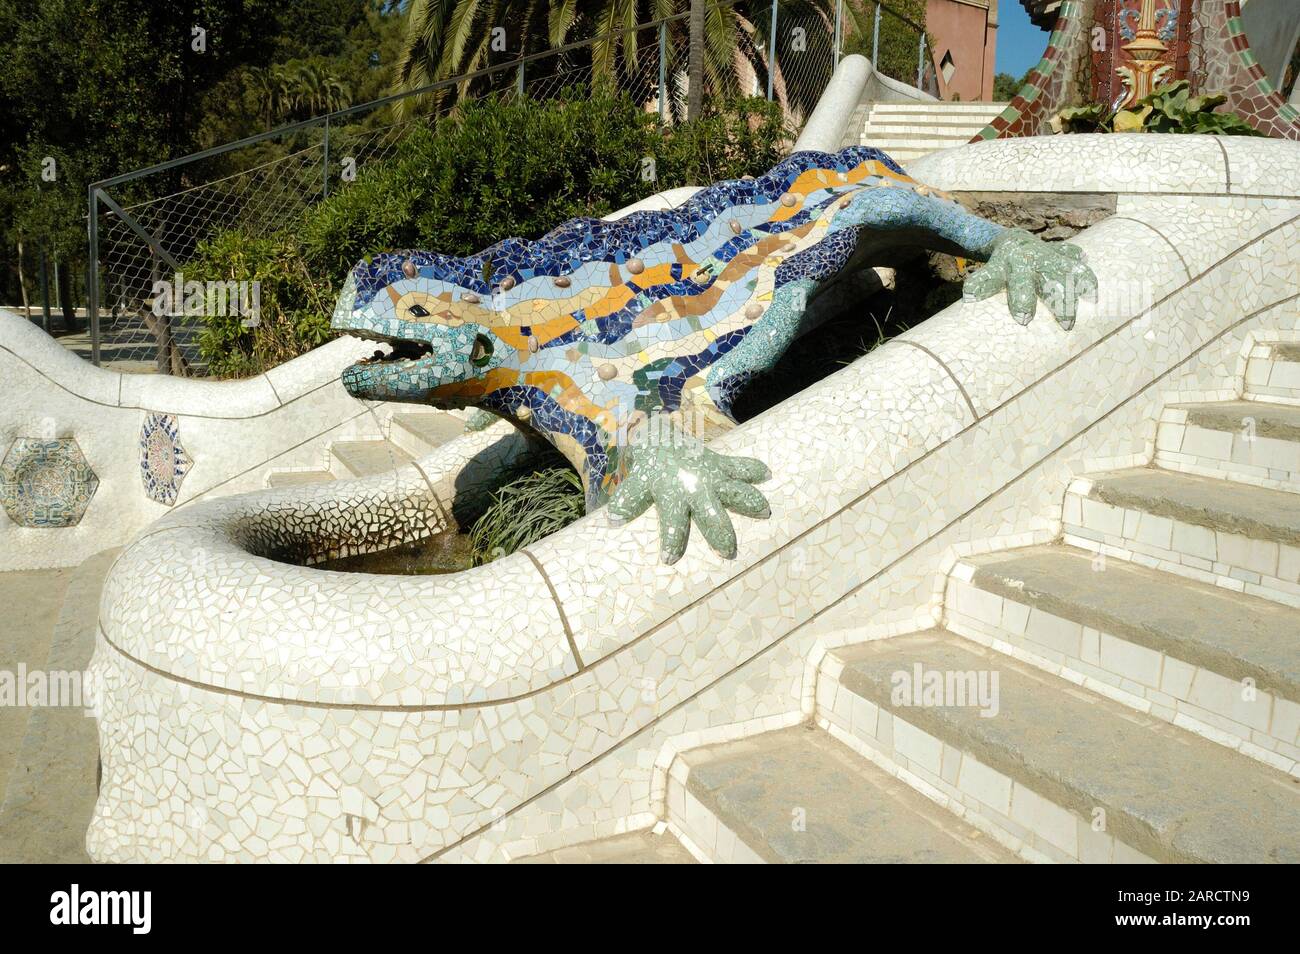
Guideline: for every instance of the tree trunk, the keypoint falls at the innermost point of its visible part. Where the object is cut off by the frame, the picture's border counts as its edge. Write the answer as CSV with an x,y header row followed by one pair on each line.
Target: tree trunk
x,y
22,284
63,279
695,62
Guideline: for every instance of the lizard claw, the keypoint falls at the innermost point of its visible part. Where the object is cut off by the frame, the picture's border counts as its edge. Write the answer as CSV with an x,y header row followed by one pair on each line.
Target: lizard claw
x,y
1029,269
688,483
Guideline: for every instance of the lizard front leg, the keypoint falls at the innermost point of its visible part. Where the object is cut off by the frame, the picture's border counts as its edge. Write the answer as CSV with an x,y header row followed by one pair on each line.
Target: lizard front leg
x,y
1026,266
687,483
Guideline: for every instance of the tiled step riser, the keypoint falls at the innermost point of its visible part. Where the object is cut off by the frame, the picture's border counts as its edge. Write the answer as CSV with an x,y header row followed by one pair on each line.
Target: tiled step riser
x,y
894,147
703,834
939,130
1009,811
1248,719
1273,375
297,478
408,441
420,433
339,468
1263,568
900,155
365,458
1241,455
939,109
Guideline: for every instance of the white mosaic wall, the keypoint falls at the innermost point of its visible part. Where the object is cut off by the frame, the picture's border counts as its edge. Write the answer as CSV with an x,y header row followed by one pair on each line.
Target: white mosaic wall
x,y
253,710
231,432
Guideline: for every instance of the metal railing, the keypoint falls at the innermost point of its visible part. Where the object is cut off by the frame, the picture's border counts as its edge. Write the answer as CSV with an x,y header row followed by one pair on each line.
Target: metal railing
x,y
144,225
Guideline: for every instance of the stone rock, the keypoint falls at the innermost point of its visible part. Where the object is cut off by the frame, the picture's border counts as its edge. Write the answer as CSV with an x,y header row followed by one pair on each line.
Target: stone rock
x,y
1058,233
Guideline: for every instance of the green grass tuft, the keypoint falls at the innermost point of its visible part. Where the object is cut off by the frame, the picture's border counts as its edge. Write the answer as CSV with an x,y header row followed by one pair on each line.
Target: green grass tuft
x,y
526,510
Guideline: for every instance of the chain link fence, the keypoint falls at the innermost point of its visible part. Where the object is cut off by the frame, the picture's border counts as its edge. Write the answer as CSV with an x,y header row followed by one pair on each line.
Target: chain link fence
x,y
143,226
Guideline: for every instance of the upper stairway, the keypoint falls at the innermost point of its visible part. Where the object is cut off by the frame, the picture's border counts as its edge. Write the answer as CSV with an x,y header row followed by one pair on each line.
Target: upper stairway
x,y
908,131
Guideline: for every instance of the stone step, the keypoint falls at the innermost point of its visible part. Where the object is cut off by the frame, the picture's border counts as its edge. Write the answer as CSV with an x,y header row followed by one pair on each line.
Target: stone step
x,y
634,848
921,124
904,156
1254,442
939,109
1238,536
419,432
1065,773
892,146
1273,372
365,458
887,128
294,478
927,134
797,796
1222,663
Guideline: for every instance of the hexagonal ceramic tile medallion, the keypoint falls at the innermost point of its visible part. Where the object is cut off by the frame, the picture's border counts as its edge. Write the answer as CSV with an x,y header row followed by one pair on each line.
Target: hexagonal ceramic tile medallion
x,y
46,483
163,461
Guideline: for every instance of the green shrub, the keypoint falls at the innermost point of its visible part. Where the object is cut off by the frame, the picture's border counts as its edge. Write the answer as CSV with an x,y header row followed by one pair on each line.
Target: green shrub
x,y
520,168
1169,109
294,304
744,137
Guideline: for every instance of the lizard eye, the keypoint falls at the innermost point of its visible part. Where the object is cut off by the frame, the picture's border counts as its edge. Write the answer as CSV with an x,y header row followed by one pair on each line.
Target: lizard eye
x,y
418,311
481,353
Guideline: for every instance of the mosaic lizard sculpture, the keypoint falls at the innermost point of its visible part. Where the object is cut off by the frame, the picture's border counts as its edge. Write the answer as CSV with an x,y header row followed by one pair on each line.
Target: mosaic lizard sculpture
x,y
624,343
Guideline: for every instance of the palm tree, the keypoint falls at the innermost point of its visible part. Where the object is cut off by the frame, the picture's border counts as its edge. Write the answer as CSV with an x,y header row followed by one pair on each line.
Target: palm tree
x,y
446,38
294,86
695,62
318,88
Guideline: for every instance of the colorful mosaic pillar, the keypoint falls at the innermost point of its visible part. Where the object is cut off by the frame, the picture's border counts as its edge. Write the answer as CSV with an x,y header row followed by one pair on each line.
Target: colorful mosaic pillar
x,y
1221,62
1117,51
1060,79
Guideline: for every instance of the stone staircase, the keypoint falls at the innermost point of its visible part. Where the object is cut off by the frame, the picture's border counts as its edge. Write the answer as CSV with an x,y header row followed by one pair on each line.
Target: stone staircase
x,y
908,131
1127,693
412,434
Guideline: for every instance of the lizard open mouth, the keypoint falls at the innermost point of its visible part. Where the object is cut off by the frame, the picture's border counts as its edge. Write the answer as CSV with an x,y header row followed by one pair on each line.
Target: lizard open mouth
x,y
401,350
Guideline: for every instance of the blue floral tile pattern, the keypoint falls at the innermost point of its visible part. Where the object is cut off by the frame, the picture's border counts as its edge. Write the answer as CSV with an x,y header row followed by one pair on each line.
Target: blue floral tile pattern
x,y
46,484
163,461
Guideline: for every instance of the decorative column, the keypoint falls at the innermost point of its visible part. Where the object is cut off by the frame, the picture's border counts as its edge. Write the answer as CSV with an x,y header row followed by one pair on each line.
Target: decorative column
x,y
1146,67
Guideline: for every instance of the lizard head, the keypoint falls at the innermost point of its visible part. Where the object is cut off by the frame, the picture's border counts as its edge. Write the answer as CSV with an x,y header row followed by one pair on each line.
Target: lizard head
x,y
440,337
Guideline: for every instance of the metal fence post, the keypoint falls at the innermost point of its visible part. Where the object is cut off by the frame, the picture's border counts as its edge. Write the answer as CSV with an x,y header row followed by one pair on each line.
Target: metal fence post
x,y
875,40
92,274
325,188
920,60
519,83
839,19
771,53
663,70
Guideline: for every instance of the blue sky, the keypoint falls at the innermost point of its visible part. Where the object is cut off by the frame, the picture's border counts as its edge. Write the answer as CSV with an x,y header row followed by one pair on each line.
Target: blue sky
x,y
1020,43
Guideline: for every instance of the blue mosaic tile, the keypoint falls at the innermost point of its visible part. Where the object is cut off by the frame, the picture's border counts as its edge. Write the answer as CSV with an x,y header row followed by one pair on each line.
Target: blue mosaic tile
x,y
46,484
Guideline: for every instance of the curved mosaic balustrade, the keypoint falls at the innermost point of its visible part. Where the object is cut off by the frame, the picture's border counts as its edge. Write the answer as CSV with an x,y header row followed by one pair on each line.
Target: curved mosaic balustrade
x,y
154,441
584,655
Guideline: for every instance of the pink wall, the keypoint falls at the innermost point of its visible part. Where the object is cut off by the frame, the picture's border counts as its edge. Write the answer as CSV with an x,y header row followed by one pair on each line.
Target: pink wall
x,y
965,30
